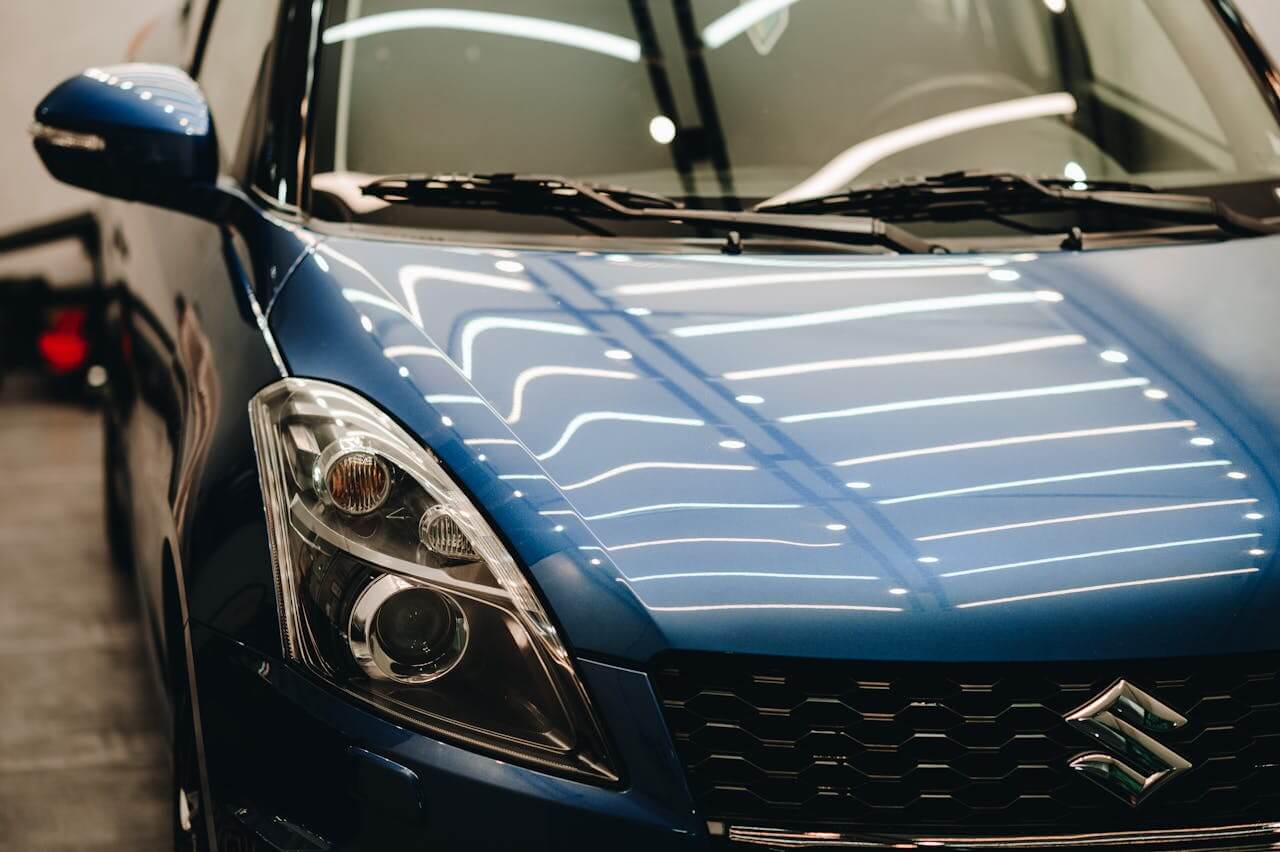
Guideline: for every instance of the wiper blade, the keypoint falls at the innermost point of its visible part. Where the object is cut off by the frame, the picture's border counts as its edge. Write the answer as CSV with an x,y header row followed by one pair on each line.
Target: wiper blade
x,y
957,196
549,194
510,193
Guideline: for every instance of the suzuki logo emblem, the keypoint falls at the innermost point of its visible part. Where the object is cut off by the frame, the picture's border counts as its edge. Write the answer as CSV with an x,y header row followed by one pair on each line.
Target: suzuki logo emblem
x,y
1125,721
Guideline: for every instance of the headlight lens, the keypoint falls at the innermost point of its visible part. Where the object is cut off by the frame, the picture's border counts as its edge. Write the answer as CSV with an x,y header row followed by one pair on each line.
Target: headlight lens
x,y
392,586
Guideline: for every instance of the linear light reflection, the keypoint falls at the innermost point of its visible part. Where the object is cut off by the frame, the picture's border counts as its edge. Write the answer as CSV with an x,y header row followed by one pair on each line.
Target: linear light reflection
x,y
454,398
485,442
495,23
628,468
480,325
965,399
853,161
861,312
692,285
1096,516
663,507
411,275
595,416
1047,480
1018,439
723,607
722,540
1141,548
732,24
771,575
424,351
1108,586
361,297
1013,347
522,382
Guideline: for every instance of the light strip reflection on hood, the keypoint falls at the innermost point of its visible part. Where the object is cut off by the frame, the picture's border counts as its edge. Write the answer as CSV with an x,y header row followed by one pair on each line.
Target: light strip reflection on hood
x,y
769,575
455,398
522,382
411,275
1108,586
495,23
861,312
1012,348
593,416
424,351
965,399
1019,439
721,607
1046,480
627,468
1096,516
361,297
480,325
662,507
1164,545
720,540
693,285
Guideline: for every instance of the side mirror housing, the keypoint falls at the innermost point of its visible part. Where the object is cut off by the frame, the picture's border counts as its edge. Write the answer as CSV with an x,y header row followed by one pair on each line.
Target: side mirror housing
x,y
137,132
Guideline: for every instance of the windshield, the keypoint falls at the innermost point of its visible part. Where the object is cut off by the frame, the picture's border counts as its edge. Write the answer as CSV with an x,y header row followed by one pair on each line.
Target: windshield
x,y
727,104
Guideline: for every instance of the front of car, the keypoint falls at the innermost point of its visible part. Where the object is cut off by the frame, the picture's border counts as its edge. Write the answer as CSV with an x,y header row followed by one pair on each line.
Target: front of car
x,y
782,498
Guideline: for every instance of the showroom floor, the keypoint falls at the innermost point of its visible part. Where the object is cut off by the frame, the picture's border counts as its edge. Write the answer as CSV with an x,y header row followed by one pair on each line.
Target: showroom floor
x,y
83,760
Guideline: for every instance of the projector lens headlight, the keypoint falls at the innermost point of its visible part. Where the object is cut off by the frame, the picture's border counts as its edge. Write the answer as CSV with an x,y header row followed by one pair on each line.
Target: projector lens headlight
x,y
392,586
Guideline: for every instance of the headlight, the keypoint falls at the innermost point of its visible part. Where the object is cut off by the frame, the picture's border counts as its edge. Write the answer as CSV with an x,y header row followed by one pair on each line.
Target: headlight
x,y
392,586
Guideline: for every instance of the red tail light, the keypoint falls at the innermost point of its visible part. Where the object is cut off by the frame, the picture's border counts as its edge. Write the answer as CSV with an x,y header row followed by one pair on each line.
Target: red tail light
x,y
64,347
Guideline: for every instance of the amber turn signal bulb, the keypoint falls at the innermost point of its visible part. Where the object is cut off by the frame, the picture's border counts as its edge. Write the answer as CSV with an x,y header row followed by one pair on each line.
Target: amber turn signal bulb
x,y
357,482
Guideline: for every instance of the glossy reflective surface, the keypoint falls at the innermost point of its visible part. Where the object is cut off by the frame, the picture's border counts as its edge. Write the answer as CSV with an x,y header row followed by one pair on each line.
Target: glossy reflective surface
x,y
1004,457
727,102
135,131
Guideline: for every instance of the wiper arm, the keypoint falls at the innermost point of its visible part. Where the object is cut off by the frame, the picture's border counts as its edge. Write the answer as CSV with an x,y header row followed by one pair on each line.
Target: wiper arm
x,y
546,194
956,196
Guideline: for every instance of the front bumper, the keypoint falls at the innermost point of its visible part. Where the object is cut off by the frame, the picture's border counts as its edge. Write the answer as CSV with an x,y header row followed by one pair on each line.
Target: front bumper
x,y
1236,838
295,766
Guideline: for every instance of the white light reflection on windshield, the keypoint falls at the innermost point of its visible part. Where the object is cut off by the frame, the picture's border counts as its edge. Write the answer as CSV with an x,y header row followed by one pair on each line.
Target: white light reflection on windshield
x,y
495,23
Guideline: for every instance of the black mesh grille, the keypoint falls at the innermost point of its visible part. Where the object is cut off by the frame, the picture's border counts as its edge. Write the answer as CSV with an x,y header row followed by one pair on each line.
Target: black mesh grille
x,y
909,746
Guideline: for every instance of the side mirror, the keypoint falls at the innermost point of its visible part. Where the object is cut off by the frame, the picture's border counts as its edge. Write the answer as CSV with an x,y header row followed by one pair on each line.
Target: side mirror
x,y
138,132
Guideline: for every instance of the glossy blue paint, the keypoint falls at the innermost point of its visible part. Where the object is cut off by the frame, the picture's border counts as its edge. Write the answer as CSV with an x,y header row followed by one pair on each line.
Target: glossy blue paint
x,y
962,458
298,751
136,131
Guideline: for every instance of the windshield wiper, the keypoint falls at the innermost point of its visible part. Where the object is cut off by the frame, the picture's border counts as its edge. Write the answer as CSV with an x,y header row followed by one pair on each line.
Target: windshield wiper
x,y
553,195
963,195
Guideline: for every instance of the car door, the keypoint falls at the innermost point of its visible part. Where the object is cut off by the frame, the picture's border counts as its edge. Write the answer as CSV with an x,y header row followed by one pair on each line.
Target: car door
x,y
178,310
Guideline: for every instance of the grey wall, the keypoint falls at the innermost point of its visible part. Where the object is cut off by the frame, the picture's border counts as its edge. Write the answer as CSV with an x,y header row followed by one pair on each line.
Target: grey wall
x,y
42,42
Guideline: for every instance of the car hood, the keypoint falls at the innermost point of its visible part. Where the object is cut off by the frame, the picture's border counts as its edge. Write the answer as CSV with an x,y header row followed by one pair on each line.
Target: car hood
x,y
1068,456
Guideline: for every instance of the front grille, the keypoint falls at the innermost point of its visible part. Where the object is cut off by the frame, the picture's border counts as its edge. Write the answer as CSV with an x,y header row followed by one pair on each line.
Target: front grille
x,y
910,746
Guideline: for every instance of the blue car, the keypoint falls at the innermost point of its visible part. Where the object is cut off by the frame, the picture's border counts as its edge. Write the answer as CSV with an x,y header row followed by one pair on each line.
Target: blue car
x,y
698,425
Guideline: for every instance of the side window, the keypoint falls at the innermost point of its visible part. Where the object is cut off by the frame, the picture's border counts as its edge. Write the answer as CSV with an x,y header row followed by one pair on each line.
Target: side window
x,y
232,61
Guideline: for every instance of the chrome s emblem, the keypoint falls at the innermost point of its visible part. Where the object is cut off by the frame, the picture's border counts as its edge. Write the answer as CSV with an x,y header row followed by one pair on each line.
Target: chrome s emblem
x,y
1125,720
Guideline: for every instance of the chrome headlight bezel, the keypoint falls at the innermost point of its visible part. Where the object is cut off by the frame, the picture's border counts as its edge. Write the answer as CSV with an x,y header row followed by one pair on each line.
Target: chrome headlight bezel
x,y
326,563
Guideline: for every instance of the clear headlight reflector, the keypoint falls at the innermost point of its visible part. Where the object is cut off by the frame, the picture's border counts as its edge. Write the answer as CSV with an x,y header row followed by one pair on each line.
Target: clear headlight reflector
x,y
392,586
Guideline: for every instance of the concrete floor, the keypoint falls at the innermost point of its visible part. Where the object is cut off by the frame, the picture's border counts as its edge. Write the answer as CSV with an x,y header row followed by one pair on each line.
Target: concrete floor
x,y
83,757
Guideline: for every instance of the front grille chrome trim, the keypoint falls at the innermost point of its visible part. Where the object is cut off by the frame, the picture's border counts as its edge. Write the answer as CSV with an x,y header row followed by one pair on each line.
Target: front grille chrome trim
x,y
1233,838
